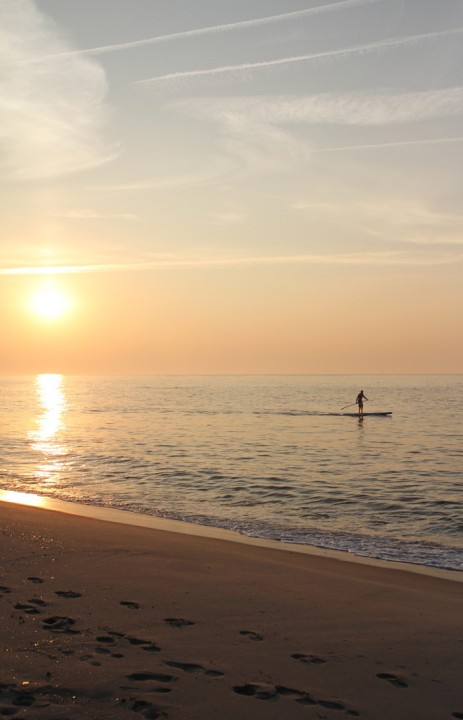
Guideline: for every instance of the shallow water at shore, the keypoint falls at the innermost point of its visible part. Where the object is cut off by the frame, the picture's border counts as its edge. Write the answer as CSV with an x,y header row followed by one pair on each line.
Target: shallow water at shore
x,y
268,456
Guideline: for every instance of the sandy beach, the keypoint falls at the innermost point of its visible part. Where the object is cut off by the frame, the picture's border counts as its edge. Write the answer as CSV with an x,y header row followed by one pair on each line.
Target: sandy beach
x,y
103,620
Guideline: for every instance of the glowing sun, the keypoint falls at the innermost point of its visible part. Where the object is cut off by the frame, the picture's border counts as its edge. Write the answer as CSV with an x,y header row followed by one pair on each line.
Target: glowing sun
x,y
50,303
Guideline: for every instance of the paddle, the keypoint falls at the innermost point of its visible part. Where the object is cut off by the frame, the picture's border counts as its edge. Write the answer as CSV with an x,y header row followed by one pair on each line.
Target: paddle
x,y
346,406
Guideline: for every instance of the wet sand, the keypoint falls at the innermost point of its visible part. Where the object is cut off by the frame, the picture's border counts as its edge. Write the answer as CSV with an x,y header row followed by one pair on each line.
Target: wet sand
x,y
104,620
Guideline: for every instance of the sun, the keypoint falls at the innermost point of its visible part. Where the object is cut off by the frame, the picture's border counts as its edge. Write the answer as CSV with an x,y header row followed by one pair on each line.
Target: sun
x,y
50,303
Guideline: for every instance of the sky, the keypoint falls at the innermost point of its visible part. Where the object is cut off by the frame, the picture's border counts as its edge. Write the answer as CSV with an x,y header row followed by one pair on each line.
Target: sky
x,y
256,186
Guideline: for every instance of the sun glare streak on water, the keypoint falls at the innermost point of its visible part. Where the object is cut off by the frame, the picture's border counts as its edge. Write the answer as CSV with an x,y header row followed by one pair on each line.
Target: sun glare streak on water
x,y
52,403
49,422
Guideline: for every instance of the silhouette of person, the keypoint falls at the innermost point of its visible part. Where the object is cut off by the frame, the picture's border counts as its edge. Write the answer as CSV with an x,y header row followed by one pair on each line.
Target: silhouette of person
x,y
359,401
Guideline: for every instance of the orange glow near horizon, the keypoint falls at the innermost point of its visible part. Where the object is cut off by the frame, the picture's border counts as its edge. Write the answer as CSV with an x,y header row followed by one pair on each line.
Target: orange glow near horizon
x,y
182,322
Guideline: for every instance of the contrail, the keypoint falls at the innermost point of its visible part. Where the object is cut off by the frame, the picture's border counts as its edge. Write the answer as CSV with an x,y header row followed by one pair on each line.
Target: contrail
x,y
227,27
209,30
353,49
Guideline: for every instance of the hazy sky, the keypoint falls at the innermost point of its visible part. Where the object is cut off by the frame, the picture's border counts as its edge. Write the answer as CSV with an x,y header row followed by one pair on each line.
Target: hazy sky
x,y
218,186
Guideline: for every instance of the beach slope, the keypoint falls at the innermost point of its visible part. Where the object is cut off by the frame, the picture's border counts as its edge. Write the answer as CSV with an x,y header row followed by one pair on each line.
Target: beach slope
x,y
103,620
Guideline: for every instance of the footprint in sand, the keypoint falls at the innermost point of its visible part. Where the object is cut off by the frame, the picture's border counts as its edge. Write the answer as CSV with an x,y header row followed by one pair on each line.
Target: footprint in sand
x,y
300,696
152,647
331,704
31,606
38,601
458,715
68,594
12,700
30,609
105,639
106,649
137,641
147,645
108,653
193,668
112,635
259,691
393,679
158,677
178,622
60,624
251,635
147,709
308,659
269,692
108,640
129,604
4,589
35,580
90,660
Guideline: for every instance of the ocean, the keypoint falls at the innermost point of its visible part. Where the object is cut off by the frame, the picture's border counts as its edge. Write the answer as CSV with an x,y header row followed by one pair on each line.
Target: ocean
x,y
264,456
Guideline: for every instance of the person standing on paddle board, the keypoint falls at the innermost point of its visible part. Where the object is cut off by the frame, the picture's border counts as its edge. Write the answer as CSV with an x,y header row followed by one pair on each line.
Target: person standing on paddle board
x,y
359,401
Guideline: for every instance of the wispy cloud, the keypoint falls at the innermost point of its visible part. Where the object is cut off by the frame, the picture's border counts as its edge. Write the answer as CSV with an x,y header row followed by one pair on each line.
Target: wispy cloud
x,y
398,257
358,108
208,175
51,116
229,218
199,32
92,215
394,220
257,135
398,143
380,45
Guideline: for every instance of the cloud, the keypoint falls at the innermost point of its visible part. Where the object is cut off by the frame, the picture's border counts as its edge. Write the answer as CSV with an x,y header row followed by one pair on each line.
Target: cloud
x,y
52,115
209,30
259,148
428,257
229,218
362,108
257,131
208,175
380,45
92,215
392,219
399,143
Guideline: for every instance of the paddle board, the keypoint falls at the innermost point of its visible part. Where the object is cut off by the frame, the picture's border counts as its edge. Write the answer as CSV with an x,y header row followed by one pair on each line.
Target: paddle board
x,y
366,414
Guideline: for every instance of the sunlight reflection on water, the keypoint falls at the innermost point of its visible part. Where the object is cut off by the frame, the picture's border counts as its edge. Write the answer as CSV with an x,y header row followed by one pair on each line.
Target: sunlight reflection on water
x,y
50,421
20,498
52,403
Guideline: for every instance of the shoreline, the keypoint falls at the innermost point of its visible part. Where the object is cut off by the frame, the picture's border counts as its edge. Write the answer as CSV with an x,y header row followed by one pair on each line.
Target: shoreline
x,y
125,517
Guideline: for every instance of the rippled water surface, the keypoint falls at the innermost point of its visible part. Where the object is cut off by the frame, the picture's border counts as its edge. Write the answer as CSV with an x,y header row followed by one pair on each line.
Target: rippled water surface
x,y
266,456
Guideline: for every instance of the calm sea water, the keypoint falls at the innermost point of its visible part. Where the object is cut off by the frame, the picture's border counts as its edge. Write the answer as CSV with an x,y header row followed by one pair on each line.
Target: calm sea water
x,y
265,456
